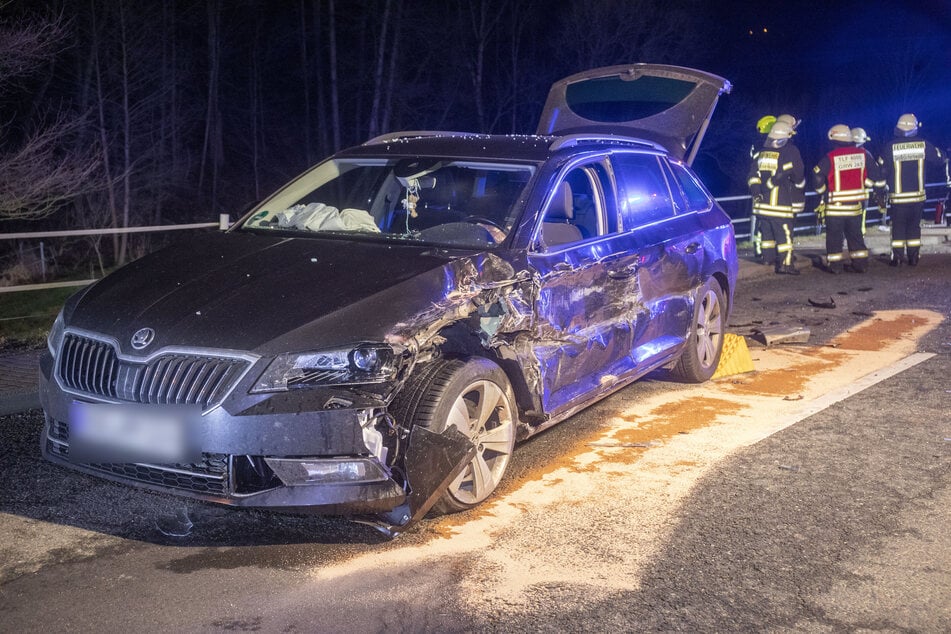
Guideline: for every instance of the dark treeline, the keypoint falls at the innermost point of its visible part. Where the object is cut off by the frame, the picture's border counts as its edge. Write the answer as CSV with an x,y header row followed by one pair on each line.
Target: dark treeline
x,y
122,112
198,107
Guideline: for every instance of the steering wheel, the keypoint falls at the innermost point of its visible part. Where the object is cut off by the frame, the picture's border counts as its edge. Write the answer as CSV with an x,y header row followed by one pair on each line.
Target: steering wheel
x,y
495,229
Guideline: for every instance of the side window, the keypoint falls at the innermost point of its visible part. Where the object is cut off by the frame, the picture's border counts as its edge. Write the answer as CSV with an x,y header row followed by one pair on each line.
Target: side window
x,y
579,209
696,195
643,196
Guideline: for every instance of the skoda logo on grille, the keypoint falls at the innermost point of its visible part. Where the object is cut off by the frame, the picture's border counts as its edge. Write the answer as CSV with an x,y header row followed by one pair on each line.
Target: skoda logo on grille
x,y
142,338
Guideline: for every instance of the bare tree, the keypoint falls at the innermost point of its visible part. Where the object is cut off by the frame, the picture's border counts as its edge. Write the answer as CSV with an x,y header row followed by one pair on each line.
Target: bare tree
x,y
38,172
40,175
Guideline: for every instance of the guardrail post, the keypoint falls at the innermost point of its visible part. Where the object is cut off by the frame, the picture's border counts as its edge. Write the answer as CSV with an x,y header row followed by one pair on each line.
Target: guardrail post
x,y
224,221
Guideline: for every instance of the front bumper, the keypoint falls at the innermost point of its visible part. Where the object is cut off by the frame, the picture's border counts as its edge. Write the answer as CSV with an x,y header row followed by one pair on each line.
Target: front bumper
x,y
236,436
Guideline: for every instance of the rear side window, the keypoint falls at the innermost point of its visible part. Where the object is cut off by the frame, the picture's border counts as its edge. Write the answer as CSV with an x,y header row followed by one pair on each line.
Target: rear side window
x,y
697,198
643,196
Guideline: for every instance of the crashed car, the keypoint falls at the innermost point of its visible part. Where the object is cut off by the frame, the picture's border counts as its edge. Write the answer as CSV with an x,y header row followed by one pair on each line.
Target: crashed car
x,y
375,337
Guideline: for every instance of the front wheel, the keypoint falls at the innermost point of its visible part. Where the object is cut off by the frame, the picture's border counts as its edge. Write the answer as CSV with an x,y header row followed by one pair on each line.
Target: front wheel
x,y
705,342
475,397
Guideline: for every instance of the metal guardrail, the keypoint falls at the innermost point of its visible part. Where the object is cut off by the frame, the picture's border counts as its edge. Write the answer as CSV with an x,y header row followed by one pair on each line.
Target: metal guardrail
x,y
224,221
806,221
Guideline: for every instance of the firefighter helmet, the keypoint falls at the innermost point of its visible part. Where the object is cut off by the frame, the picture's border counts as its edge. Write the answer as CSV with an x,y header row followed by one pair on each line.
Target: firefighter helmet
x,y
908,123
779,134
860,136
791,120
765,123
840,132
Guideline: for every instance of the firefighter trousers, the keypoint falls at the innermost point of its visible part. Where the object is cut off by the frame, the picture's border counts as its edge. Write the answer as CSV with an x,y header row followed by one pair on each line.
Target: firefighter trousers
x,y
849,230
906,231
777,243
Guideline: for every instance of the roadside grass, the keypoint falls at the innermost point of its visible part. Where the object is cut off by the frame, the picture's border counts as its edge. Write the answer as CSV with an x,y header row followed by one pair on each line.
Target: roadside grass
x,y
26,316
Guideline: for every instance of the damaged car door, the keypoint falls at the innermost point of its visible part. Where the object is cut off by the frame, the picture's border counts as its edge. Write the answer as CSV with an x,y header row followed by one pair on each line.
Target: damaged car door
x,y
587,308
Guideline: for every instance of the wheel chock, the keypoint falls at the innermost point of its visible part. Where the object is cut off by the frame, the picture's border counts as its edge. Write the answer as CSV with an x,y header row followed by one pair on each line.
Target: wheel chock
x,y
735,358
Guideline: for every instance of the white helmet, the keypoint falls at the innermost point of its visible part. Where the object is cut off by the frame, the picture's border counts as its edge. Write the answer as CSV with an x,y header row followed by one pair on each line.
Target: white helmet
x,y
860,136
779,134
840,132
789,119
908,123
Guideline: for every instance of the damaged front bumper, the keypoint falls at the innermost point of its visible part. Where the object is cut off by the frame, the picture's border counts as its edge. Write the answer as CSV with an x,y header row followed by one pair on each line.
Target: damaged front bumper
x,y
339,461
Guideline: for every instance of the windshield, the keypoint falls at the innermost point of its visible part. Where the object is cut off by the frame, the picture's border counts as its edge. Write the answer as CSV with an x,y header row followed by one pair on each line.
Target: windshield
x,y
433,200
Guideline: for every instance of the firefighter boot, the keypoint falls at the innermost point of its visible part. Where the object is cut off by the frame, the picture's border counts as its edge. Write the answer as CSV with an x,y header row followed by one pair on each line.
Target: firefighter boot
x,y
913,256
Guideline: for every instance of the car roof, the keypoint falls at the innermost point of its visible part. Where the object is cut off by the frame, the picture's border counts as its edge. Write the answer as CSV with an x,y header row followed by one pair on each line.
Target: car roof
x,y
517,147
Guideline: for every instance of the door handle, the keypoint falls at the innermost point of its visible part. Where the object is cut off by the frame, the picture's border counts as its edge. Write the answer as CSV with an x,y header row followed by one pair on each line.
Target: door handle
x,y
692,248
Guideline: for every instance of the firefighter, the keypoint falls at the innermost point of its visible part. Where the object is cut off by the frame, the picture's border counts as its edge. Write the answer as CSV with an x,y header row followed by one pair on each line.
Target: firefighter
x,y
776,182
763,127
843,178
904,159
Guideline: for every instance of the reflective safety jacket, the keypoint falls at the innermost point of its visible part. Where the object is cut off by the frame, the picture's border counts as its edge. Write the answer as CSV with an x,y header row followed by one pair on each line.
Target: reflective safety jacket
x,y
777,182
845,175
903,160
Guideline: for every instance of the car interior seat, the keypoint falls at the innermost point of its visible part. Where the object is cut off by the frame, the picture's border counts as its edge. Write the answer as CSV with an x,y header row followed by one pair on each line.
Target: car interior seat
x,y
557,227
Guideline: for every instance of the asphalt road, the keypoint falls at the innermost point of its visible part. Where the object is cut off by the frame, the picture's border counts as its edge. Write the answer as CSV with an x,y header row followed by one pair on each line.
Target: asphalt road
x,y
836,523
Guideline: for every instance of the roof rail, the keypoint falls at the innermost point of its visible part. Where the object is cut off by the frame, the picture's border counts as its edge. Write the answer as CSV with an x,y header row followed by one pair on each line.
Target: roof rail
x,y
572,140
394,136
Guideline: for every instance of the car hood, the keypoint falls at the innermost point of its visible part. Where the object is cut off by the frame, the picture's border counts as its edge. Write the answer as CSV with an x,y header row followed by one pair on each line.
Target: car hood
x,y
669,105
267,294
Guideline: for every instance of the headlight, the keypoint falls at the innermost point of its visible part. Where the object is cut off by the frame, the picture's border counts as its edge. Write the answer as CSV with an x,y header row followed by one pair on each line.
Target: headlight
x,y
55,338
368,363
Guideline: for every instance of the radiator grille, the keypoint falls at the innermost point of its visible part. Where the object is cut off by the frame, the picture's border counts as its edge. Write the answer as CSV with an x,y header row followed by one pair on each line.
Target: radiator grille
x,y
92,367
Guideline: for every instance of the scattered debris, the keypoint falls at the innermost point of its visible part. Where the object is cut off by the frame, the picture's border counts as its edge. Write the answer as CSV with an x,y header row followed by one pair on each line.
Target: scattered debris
x,y
780,333
828,304
177,525
797,397
841,293
787,467
865,289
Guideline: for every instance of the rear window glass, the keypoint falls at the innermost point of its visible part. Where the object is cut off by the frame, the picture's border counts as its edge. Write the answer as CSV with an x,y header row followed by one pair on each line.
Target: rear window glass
x,y
643,193
612,99
697,198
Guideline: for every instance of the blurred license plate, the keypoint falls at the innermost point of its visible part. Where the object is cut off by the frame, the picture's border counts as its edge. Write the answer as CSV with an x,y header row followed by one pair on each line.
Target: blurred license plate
x,y
160,434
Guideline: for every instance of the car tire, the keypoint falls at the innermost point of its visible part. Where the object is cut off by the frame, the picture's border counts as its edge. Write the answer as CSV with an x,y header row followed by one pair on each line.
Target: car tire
x,y
701,355
476,397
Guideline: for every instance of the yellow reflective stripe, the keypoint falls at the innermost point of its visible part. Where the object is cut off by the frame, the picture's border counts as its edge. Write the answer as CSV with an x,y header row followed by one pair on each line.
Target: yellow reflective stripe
x,y
834,257
847,195
858,254
787,166
913,197
843,213
821,189
768,244
773,214
898,243
782,248
754,180
913,243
